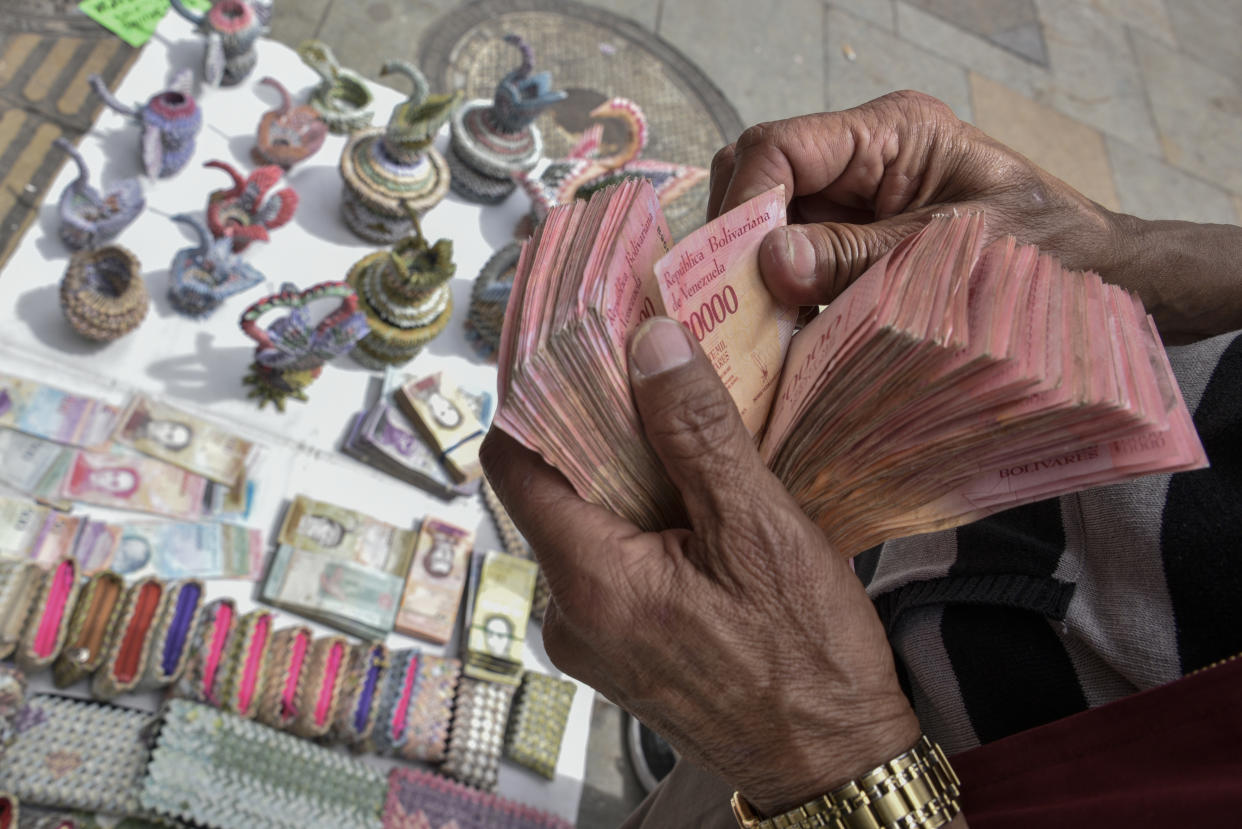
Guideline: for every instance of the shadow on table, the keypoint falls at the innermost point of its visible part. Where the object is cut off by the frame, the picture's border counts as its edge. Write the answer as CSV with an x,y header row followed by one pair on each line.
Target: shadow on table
x,y
207,375
320,185
39,309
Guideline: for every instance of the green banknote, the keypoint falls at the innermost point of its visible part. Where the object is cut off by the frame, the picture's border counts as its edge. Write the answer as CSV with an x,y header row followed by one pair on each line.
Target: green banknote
x,y
345,534
500,615
337,592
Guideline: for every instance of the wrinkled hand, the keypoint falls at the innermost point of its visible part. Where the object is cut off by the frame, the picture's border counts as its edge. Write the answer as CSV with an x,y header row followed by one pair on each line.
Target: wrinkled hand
x,y
744,640
862,179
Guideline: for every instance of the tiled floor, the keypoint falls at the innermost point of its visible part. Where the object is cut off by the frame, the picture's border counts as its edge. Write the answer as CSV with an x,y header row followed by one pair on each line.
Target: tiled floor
x,y
1138,103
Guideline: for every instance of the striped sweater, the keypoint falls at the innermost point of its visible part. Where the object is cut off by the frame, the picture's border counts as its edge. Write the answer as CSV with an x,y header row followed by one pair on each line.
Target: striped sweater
x,y
1054,607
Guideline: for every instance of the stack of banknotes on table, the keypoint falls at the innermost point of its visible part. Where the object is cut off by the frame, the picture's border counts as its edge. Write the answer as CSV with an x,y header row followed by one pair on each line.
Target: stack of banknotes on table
x,y
948,382
498,605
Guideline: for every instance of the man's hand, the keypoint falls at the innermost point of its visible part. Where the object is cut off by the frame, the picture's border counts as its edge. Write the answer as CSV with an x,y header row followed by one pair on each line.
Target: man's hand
x,y
744,640
862,179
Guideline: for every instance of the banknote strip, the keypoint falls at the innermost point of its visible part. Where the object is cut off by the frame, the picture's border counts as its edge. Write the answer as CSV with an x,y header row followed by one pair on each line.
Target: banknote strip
x,y
343,594
53,414
337,532
175,436
34,466
44,535
434,586
134,482
178,549
501,611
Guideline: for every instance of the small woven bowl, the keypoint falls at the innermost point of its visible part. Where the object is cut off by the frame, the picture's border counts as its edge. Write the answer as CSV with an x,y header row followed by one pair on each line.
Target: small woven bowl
x,y
102,294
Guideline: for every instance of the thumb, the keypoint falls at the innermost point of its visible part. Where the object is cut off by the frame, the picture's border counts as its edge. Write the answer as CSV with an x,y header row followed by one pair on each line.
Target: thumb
x,y
809,264
694,426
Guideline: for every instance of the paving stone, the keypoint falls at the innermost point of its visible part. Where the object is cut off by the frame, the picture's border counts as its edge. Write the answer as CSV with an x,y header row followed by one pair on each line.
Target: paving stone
x,y
1209,30
367,34
1151,189
882,63
1151,17
972,51
1010,24
1069,149
1198,112
294,22
767,57
646,13
879,12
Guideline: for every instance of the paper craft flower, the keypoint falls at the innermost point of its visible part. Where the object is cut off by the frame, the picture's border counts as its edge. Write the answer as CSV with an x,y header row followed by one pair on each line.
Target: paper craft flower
x,y
292,350
288,134
246,212
203,277
170,122
88,217
342,98
232,27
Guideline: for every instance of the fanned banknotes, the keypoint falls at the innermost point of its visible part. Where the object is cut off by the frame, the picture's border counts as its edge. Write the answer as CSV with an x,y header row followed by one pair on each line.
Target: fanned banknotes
x,y
53,414
177,437
946,383
180,550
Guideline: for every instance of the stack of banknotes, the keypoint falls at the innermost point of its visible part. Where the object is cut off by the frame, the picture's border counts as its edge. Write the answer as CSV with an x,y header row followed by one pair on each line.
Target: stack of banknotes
x,y
498,604
340,567
948,382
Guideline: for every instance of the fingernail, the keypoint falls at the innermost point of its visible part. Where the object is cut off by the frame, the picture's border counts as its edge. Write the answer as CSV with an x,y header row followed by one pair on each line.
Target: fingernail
x,y
658,346
800,254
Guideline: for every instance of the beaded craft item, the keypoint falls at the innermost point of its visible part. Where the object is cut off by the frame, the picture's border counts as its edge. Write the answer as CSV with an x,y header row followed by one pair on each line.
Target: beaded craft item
x,y
47,626
358,707
537,724
342,98
431,709
287,134
493,140
246,212
585,170
212,768
20,581
98,606
477,733
12,701
286,661
10,811
203,677
405,295
393,173
129,640
291,351
201,278
319,689
489,297
74,754
245,669
173,635
88,217
102,293
232,27
418,799
170,121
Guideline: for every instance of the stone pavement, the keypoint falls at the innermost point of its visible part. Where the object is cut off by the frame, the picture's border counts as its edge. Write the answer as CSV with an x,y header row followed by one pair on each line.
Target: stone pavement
x,y
1137,103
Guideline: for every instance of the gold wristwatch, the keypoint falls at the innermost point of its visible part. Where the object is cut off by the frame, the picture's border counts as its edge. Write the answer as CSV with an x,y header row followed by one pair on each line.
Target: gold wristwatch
x,y
917,790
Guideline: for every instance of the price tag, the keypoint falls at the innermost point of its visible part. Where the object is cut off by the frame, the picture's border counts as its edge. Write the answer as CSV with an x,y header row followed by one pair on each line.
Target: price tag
x,y
133,21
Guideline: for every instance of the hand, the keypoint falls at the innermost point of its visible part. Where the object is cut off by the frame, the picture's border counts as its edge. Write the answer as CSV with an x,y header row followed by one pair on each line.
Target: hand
x,y
744,639
862,179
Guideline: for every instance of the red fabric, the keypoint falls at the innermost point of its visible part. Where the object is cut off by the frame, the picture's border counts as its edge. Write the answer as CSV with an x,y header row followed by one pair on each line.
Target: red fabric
x,y
1171,756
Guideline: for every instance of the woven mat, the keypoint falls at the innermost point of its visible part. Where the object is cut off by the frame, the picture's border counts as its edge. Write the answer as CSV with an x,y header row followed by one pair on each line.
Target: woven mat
x,y
47,49
594,55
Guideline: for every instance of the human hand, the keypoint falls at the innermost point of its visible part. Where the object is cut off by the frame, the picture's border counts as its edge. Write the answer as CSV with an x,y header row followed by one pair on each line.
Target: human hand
x,y
862,179
744,639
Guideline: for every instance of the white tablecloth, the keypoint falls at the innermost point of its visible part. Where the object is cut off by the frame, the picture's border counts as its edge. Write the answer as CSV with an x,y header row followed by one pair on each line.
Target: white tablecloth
x,y
199,364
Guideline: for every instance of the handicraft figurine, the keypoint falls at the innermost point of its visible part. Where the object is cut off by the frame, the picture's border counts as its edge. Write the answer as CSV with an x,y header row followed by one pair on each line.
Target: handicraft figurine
x,y
232,28
246,212
342,98
203,277
170,122
585,171
88,217
489,297
493,140
102,294
288,134
393,173
406,298
291,352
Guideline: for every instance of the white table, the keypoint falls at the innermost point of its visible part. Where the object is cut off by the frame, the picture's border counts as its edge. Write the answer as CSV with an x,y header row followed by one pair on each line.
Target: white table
x,y
199,364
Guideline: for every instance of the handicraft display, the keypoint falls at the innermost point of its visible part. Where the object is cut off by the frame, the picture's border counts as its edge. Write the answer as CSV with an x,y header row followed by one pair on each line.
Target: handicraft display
x,y
74,754
586,169
319,689
278,707
201,680
431,709
246,212
211,768
88,217
201,278
493,140
232,28
406,298
170,121
47,625
287,134
489,297
102,293
537,724
173,633
478,732
342,98
392,174
245,667
358,708
125,656
97,608
291,351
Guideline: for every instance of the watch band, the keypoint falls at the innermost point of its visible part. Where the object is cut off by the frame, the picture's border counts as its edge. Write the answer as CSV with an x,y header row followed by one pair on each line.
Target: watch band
x,y
916,790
